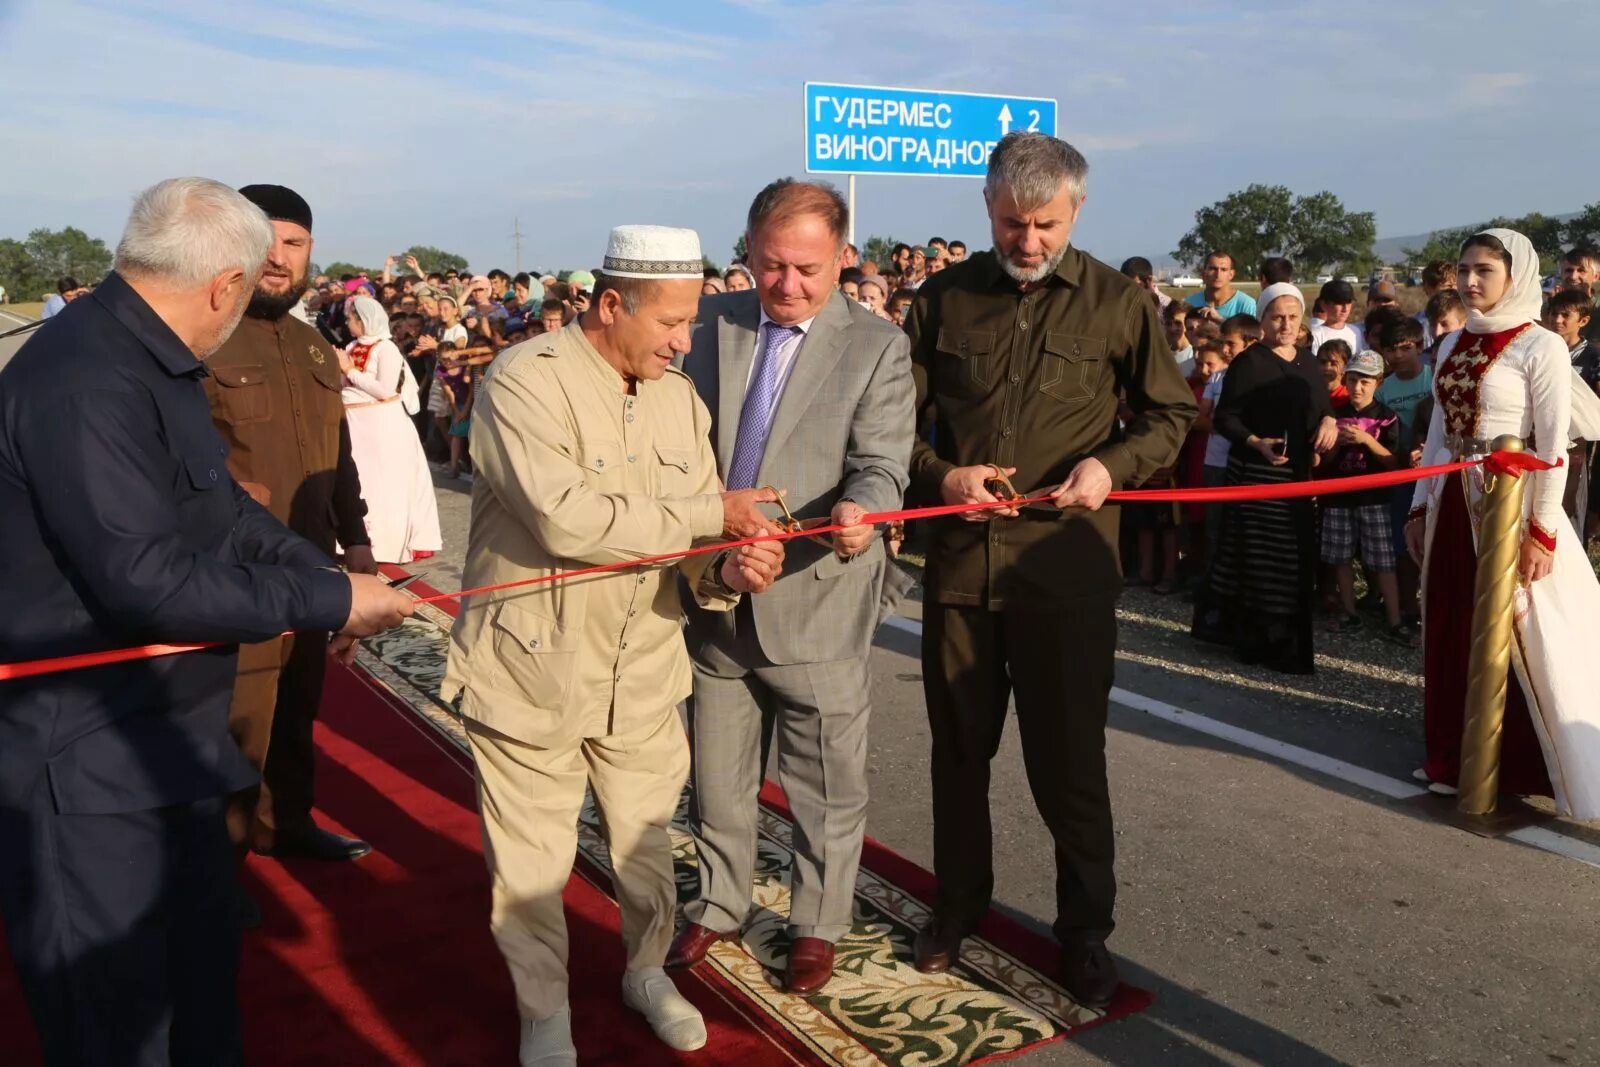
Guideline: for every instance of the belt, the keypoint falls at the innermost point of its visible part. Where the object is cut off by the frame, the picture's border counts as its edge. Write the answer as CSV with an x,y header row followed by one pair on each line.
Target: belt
x,y
1463,447
372,403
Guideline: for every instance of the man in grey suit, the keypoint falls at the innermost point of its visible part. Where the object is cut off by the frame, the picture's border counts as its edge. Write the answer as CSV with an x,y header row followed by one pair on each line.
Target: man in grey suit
x,y
810,393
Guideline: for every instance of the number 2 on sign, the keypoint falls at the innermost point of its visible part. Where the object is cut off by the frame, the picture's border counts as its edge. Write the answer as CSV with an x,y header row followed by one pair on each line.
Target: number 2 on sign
x,y
1033,126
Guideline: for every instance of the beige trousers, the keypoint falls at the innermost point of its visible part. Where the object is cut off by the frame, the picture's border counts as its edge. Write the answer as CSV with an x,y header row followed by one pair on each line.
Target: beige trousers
x,y
530,798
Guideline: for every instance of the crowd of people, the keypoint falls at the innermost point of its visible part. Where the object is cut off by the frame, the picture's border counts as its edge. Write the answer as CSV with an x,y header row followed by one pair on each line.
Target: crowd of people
x,y
216,429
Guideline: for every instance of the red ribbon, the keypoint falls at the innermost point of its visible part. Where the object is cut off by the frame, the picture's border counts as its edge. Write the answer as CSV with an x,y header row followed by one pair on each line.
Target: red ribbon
x,y
1513,463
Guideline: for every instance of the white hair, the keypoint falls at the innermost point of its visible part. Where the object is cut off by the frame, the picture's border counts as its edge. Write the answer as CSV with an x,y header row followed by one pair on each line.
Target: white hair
x,y
186,231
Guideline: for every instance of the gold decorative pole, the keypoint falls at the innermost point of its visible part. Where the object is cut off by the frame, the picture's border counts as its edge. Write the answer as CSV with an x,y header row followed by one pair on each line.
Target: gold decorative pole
x,y
1489,666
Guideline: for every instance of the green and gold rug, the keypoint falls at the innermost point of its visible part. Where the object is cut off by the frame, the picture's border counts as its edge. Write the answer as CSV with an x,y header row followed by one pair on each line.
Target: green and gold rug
x,y
878,1009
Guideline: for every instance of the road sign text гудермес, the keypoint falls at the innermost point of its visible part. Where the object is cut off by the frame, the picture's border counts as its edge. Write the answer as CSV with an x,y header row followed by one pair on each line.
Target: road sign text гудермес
x,y
859,129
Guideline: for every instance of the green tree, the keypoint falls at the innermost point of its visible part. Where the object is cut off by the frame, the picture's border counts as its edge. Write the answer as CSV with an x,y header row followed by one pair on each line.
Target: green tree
x,y
705,263
57,253
339,269
21,277
1548,236
878,249
432,259
1263,220
1322,233
1248,225
740,249
1583,230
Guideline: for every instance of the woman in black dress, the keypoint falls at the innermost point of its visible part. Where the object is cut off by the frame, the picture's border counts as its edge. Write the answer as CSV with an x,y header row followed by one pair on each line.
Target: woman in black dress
x,y
1274,408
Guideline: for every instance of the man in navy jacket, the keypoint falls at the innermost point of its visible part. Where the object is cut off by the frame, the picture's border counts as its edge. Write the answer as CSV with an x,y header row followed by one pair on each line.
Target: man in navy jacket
x,y
121,526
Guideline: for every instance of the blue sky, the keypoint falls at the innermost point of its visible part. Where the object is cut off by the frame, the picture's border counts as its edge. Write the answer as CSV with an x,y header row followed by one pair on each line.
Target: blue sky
x,y
424,122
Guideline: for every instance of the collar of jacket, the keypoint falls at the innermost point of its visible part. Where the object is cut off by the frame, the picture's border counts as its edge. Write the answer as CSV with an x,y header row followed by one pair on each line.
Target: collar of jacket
x,y
1069,271
129,308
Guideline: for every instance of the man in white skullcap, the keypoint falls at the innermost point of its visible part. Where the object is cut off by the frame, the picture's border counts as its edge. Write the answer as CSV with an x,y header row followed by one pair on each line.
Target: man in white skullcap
x,y
591,448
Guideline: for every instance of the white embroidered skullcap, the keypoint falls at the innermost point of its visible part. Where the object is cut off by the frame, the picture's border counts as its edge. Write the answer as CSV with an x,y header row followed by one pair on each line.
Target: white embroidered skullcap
x,y
653,252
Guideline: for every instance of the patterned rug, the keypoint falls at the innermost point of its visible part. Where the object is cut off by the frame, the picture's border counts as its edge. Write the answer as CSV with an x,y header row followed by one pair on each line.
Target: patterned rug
x,y
878,1009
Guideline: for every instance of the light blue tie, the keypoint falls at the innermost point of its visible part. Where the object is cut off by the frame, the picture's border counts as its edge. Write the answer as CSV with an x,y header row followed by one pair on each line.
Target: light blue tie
x,y
755,418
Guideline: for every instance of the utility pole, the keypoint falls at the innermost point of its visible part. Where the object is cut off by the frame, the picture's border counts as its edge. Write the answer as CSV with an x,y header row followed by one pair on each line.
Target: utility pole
x,y
516,241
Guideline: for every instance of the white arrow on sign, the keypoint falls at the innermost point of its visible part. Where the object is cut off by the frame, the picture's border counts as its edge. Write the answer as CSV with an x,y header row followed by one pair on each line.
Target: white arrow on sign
x,y
1005,119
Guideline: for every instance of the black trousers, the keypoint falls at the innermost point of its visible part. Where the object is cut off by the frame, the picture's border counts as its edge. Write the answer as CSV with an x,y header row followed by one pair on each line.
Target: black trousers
x,y
1059,664
125,935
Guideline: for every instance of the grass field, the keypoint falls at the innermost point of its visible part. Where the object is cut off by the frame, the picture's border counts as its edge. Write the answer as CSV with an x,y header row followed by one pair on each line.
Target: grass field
x,y
26,311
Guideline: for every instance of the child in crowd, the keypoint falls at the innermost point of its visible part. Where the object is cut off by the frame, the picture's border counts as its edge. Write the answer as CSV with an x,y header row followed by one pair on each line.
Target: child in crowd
x,y
1568,315
900,305
1334,355
1446,313
1336,300
1407,383
552,316
1210,361
1174,320
1235,335
1369,441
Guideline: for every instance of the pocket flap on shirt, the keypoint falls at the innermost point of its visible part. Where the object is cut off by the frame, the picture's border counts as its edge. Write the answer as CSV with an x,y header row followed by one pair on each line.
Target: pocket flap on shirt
x,y
1074,347
206,473
602,457
328,375
243,374
534,632
675,457
965,342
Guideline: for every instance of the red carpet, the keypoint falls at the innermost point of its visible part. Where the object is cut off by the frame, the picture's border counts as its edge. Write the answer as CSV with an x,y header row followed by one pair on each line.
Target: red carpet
x,y
389,960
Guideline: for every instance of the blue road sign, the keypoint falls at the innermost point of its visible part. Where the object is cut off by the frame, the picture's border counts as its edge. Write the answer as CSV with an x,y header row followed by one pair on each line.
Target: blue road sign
x,y
863,129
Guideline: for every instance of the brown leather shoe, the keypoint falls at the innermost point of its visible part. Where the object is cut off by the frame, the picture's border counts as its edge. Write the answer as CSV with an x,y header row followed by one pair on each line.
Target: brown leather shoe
x,y
1089,973
810,966
692,944
937,949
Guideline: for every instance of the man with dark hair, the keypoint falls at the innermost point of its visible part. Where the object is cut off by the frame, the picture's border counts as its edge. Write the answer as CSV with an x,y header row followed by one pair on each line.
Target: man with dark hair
x,y
936,242
1336,299
274,390
1444,314
958,251
1275,269
67,290
1024,603
499,283
1138,270
813,393
1219,300
900,258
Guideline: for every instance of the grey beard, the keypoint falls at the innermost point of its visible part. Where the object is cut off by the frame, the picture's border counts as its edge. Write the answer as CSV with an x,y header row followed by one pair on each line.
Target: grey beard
x,y
272,306
1035,274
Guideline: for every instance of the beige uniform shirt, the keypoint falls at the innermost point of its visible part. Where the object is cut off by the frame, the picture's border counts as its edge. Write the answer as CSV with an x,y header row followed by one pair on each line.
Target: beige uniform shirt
x,y
571,471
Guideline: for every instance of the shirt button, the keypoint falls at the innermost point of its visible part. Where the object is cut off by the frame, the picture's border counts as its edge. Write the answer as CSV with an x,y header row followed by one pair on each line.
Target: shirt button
x,y
632,458
243,379
213,474
630,418
994,540
1006,432
1023,325
533,642
631,614
624,646
1015,378
599,463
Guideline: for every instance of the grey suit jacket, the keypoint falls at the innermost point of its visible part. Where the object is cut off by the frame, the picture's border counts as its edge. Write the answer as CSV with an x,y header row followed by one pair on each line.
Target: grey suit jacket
x,y
843,428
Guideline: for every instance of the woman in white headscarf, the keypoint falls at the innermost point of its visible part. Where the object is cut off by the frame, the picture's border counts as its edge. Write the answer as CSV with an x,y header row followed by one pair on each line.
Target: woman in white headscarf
x,y
1505,374
1275,411
380,396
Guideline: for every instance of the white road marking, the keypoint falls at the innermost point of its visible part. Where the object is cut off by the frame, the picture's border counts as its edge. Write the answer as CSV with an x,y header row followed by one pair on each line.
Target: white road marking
x,y
1540,837
16,320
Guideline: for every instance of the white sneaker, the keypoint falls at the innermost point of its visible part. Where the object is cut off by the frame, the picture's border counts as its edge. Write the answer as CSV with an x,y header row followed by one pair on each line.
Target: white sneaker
x,y
676,1022
1421,774
548,1042
1440,789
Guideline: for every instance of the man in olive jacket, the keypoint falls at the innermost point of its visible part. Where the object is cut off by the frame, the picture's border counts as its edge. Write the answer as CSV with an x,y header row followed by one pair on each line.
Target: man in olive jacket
x,y
1020,356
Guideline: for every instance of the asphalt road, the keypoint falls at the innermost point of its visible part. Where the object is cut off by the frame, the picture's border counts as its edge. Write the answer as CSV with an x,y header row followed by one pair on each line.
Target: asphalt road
x,y
1280,914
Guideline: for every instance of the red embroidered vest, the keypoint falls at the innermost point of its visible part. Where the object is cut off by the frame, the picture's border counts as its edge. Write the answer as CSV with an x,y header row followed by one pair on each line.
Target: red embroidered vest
x,y
1458,380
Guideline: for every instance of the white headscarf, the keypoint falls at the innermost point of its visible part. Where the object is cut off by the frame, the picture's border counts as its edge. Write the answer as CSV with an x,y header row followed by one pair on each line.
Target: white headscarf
x,y
374,320
1277,290
375,329
1524,299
